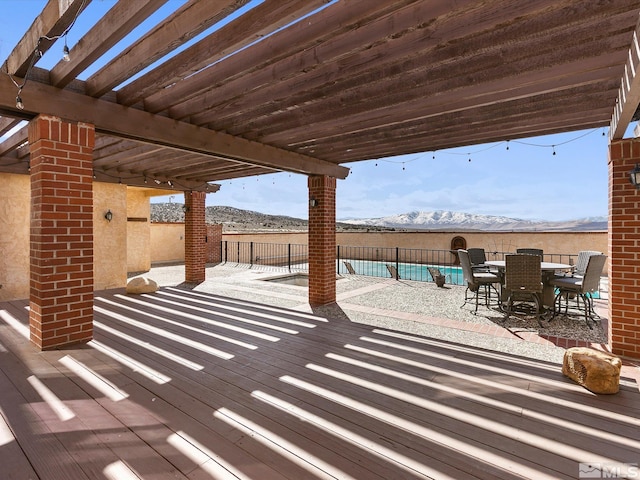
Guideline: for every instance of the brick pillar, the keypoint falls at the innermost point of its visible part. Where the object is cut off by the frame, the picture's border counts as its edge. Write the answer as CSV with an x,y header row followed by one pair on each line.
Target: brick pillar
x,y
195,232
61,243
214,243
624,249
322,240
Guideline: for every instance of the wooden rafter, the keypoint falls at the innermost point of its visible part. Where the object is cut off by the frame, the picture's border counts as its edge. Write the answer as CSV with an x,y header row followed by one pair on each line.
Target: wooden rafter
x,y
244,30
629,92
191,19
113,27
55,18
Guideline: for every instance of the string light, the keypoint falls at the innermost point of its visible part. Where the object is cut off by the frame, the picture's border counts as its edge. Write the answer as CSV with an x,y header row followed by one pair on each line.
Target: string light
x,y
65,53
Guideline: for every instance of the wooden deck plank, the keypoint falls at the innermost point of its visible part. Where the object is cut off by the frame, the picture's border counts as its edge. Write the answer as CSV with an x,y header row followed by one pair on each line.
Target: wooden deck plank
x,y
14,461
230,381
93,437
249,391
203,389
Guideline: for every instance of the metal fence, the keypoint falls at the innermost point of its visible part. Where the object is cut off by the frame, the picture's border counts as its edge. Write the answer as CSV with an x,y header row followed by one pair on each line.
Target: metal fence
x,y
401,263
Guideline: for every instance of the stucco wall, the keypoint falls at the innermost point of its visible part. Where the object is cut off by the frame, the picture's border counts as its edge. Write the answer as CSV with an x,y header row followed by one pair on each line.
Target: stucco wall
x,y
109,238
168,244
15,203
109,250
138,230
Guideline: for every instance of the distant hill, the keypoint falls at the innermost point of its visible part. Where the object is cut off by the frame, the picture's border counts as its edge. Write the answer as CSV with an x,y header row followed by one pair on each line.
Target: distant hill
x,y
235,219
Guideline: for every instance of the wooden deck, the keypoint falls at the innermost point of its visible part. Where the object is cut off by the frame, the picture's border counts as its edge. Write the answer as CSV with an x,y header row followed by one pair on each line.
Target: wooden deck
x,y
181,384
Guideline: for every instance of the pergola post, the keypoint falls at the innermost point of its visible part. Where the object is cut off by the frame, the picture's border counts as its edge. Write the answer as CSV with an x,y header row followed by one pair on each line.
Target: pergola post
x,y
61,243
195,233
624,249
322,239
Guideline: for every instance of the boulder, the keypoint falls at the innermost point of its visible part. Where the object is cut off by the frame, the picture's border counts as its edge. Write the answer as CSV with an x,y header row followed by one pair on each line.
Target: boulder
x,y
595,370
138,285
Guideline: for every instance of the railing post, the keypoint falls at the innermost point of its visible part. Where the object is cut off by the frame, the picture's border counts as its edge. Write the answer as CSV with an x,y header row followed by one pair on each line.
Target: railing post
x,y
397,264
338,259
225,251
251,255
289,256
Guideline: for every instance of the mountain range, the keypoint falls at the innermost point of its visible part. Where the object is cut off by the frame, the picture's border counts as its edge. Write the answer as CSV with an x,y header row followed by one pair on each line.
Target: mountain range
x,y
235,219
441,220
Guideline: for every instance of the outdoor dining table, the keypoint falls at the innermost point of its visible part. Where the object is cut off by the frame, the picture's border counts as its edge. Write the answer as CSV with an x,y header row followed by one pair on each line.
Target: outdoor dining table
x,y
548,271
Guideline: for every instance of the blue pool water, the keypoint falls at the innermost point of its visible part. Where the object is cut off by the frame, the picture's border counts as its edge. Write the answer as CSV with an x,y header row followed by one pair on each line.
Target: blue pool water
x,y
407,271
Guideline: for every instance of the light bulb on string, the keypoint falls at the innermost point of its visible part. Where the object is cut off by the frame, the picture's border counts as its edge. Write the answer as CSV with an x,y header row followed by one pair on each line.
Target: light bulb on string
x,y
553,147
65,54
19,103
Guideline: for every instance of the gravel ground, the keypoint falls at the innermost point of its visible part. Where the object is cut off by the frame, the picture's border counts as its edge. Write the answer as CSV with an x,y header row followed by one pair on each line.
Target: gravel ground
x,y
390,297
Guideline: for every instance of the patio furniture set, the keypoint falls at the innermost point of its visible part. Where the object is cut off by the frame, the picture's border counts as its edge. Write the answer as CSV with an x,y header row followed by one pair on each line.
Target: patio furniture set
x,y
524,283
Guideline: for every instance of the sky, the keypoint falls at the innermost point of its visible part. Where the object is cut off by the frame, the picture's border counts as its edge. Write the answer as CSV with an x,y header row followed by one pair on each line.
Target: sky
x,y
556,177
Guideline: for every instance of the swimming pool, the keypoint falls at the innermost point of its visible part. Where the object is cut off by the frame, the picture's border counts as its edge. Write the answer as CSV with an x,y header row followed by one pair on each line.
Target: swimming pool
x,y
407,271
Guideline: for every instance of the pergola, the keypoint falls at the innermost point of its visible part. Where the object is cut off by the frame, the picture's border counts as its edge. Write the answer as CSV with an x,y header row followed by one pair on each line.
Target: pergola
x,y
222,89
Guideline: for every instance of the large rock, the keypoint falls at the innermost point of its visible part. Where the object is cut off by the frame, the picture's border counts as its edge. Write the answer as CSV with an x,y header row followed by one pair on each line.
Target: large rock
x,y
595,370
138,285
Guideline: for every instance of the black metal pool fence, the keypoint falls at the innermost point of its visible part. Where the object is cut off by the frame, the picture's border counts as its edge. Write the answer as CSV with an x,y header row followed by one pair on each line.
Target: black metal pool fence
x,y
409,263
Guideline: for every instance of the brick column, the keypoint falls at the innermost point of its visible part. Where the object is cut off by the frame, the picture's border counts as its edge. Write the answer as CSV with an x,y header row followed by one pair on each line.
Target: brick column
x,y
322,240
624,249
195,232
214,243
61,244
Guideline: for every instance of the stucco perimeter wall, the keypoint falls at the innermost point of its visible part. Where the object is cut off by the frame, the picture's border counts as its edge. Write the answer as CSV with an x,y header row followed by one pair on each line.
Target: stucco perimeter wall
x,y
109,238
167,242
569,243
15,207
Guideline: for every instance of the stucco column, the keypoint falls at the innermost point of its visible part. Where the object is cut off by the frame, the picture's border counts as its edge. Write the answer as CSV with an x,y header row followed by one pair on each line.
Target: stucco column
x,y
61,243
624,249
195,233
322,240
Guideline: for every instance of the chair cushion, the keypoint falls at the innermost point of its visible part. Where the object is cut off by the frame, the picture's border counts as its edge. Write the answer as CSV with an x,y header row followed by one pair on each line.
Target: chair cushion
x,y
485,277
567,283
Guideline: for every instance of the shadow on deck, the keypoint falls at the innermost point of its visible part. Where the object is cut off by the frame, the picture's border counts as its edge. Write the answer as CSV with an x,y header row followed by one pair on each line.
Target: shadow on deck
x,y
185,384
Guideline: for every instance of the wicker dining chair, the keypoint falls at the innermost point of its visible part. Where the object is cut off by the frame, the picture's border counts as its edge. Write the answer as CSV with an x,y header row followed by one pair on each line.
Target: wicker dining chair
x,y
478,259
476,281
583,287
523,283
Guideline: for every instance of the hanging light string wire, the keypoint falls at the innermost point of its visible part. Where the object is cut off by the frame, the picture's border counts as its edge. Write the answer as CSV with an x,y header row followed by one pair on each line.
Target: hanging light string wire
x,y
37,54
490,147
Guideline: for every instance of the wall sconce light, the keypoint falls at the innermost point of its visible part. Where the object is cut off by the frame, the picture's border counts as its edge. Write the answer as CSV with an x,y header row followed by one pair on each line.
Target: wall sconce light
x,y
108,216
634,176
313,202
185,208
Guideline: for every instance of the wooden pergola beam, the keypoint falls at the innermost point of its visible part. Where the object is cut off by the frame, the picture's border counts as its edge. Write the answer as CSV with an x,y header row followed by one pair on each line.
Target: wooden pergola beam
x,y
629,92
113,119
151,181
